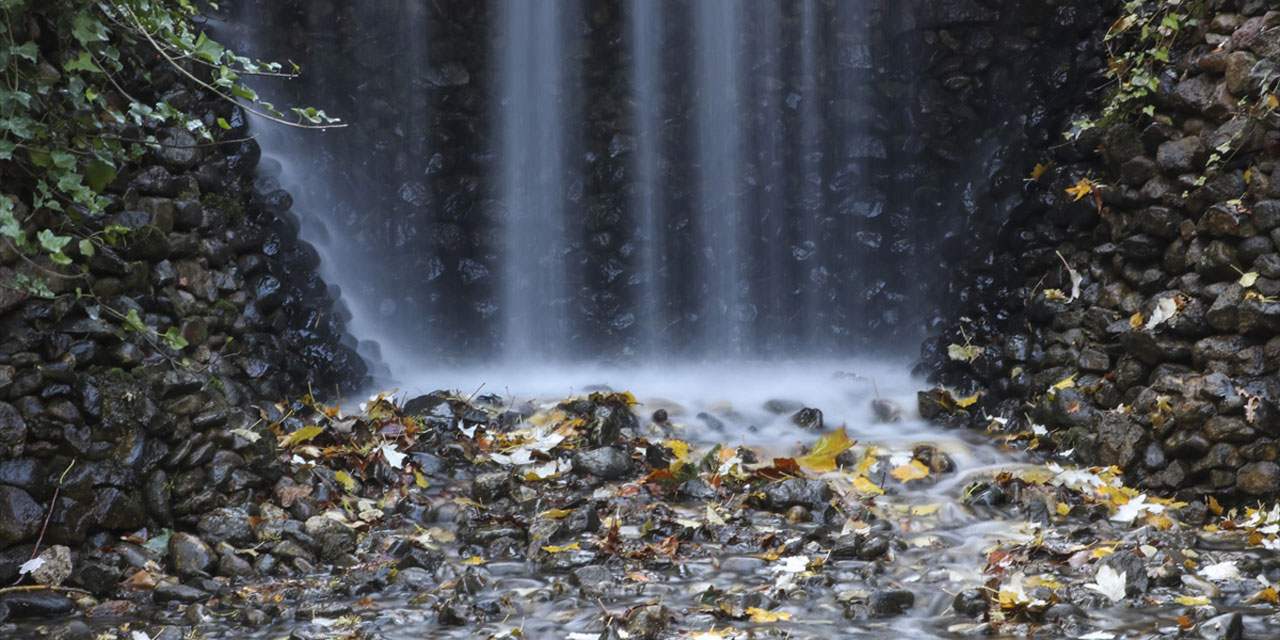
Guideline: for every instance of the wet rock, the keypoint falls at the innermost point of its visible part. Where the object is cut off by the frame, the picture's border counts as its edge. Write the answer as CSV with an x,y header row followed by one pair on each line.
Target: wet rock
x,y
489,487
414,578
593,580
189,555
781,496
608,463
808,418
1130,564
891,602
176,592
1228,626
647,623
1259,478
970,602
1179,156
20,516
13,429
74,630
332,537
226,525
55,568
36,604
1120,440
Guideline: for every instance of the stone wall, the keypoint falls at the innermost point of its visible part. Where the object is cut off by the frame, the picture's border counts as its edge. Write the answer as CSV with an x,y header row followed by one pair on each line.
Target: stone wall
x,y
1171,354
108,430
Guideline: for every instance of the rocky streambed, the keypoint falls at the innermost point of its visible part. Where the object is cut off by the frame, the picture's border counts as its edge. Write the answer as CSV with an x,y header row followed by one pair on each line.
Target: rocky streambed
x,y
606,516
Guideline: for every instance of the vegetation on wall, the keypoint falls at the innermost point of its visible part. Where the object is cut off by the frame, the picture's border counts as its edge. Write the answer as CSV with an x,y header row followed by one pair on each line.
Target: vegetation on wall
x,y
72,116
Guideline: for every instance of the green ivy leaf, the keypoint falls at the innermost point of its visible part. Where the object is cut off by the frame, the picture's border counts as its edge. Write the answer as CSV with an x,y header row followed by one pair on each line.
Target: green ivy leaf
x,y
86,248
87,28
99,174
51,242
133,323
84,62
27,50
222,122
7,147
173,339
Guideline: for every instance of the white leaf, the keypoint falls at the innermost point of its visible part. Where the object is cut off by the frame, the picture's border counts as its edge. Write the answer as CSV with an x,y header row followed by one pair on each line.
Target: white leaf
x,y
1221,571
1108,583
393,457
30,566
248,434
1135,507
1165,308
791,564
139,635
1097,635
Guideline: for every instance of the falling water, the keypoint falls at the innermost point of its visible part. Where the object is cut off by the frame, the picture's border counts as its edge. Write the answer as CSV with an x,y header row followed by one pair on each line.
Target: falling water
x,y
646,43
535,149
718,220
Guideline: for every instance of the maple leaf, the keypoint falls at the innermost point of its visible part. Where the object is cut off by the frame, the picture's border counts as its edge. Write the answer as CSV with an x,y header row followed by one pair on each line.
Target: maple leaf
x,y
1108,583
823,456
1083,188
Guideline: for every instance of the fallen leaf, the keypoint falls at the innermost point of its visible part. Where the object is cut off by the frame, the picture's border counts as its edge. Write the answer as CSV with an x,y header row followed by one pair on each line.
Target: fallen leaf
x,y
760,615
475,560
348,483
1266,595
1165,308
392,456
551,548
823,456
1108,583
969,401
301,435
1039,170
1221,571
30,566
965,353
863,485
1191,601
1247,279
554,514
1083,188
913,470
420,479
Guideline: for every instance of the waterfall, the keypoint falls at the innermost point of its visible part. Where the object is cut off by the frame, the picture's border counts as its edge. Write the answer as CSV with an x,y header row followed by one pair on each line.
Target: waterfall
x,y
718,219
646,48
535,152
552,179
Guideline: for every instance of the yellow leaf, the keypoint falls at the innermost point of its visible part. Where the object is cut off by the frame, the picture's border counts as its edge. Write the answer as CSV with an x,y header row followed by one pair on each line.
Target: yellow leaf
x,y
760,615
554,514
966,353
1055,294
680,448
1082,188
1039,170
1214,506
1063,508
1120,26
862,484
1266,595
301,435
913,470
1103,551
968,402
823,456
348,483
925,509
475,560
1271,101
1248,176
1247,279
551,548
1136,321
420,479
1191,601
468,502
1065,383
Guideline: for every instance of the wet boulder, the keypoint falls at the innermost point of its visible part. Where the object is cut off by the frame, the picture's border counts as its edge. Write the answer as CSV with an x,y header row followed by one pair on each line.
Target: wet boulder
x,y
609,463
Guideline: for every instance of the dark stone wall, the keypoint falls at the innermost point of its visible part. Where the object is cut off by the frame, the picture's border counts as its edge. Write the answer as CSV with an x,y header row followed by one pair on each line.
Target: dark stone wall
x,y
1173,353
125,431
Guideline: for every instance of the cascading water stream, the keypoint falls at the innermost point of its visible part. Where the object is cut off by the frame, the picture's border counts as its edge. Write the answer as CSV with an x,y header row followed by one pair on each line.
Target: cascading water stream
x,y
646,45
536,146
